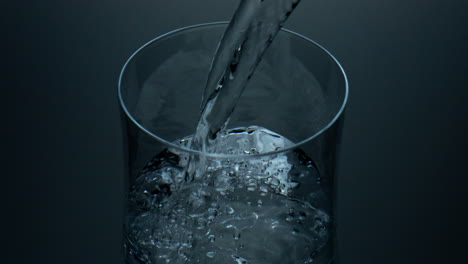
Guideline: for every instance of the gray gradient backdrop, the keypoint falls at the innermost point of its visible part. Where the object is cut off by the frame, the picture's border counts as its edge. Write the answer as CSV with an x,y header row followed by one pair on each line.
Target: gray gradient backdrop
x,y
402,176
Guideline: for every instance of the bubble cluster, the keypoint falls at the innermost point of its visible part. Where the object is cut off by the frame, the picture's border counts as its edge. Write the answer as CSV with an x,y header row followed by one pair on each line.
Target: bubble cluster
x,y
242,211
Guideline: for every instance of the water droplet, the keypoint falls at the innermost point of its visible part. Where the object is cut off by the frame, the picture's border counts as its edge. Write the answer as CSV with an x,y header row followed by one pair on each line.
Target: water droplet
x,y
211,254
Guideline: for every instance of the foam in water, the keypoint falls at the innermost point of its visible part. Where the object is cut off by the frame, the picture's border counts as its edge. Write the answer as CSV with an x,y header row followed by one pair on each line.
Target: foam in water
x,y
250,210
249,34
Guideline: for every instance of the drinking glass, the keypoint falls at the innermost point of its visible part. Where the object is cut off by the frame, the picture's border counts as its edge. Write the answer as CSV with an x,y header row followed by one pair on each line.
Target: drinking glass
x,y
267,194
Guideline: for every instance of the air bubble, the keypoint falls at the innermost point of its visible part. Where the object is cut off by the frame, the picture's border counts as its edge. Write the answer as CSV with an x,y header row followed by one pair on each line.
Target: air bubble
x,y
293,184
294,231
239,260
273,181
302,215
274,224
181,252
211,218
236,235
229,210
212,238
201,223
252,182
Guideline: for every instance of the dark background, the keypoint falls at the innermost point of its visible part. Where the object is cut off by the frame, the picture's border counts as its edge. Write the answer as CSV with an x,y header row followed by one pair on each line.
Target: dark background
x,y
402,182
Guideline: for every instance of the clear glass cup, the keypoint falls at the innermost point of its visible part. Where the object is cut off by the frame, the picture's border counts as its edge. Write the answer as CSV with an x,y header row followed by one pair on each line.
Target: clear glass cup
x,y
267,196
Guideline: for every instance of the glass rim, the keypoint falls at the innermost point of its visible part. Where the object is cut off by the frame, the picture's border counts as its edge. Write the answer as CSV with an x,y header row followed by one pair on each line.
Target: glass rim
x,y
221,155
